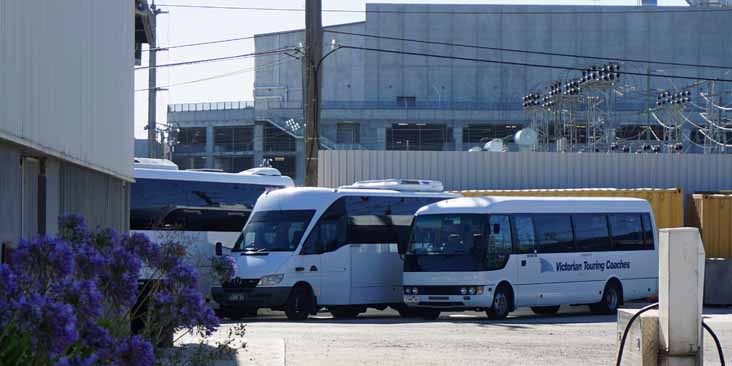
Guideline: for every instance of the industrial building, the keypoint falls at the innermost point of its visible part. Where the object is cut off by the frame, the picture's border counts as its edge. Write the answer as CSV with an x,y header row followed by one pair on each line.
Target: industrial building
x,y
66,88
461,97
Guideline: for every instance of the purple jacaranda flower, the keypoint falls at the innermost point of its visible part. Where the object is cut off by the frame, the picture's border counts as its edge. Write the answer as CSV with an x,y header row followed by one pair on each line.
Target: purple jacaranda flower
x,y
95,336
120,278
42,261
224,267
134,351
183,275
105,240
10,294
78,360
52,325
90,263
73,229
83,295
143,247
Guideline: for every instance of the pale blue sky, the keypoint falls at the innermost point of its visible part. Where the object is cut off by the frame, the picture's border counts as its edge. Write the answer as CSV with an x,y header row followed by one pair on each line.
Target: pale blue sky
x,y
186,25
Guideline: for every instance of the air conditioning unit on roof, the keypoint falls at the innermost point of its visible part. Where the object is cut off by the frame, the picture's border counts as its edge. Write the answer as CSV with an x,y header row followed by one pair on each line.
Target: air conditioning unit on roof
x,y
403,185
272,172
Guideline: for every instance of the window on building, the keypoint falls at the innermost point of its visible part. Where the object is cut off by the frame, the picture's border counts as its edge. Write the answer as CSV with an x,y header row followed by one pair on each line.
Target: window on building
x,y
233,138
553,233
481,133
277,140
348,133
286,164
418,136
191,140
234,164
627,231
407,101
591,233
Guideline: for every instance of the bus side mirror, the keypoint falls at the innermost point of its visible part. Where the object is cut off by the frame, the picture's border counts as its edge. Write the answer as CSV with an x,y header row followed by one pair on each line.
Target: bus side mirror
x,y
219,249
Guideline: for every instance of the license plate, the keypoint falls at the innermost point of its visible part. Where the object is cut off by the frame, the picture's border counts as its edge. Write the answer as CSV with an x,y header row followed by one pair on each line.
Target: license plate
x,y
237,297
411,299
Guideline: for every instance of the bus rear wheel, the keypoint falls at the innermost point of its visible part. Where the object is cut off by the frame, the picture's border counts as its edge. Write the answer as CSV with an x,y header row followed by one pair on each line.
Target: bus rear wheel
x,y
300,303
611,299
545,310
501,305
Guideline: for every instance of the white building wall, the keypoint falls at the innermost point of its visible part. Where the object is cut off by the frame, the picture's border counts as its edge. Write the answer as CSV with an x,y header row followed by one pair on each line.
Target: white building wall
x,y
66,85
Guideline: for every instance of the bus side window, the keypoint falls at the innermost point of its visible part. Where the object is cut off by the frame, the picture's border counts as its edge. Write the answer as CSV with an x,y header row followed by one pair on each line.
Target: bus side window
x,y
312,244
523,228
648,237
498,241
627,231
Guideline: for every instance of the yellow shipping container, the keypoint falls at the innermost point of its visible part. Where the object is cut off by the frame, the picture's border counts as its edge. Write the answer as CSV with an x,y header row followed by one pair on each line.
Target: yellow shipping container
x,y
712,214
667,204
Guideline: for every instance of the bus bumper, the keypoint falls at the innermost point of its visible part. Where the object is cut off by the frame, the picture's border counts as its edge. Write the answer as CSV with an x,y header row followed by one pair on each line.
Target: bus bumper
x,y
256,297
456,302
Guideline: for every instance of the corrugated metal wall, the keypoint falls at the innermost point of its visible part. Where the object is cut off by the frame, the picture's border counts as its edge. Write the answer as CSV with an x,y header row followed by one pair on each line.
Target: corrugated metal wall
x,y
712,214
10,194
66,85
103,200
465,170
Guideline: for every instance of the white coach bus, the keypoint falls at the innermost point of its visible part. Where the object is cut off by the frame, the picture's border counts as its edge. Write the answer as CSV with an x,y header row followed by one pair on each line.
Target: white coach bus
x,y
501,253
304,249
196,208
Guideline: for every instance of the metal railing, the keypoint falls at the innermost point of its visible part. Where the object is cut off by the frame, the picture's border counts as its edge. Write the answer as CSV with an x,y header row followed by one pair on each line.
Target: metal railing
x,y
212,106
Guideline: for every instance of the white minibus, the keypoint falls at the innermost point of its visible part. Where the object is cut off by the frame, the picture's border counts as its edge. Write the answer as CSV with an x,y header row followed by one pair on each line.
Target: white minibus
x,y
196,208
304,249
501,253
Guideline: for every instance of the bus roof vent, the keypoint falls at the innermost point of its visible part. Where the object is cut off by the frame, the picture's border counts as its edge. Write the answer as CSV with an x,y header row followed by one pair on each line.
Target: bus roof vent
x,y
148,163
272,172
404,185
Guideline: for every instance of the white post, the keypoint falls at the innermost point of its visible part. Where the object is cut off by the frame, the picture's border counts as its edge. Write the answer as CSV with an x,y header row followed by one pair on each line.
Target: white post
x,y
680,294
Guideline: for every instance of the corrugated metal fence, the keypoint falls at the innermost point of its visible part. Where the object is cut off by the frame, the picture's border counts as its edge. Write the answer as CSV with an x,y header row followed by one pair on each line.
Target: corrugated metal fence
x,y
524,170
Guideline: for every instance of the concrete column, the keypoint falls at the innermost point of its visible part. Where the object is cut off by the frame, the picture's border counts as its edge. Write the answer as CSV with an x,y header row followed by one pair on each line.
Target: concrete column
x,y
381,138
258,144
457,136
209,146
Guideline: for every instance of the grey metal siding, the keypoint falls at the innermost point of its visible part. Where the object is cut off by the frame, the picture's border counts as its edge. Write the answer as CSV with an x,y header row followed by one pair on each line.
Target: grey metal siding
x,y
10,194
524,170
66,86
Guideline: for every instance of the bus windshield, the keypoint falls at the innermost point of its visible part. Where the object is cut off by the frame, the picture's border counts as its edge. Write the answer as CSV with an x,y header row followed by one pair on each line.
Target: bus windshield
x,y
466,242
273,231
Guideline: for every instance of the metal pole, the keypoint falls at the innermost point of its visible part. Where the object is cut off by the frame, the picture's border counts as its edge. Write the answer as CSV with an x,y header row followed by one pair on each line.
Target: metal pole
x,y
313,51
152,87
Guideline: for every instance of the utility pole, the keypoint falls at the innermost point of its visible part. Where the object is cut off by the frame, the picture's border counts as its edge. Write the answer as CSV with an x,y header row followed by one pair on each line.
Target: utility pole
x,y
152,91
313,51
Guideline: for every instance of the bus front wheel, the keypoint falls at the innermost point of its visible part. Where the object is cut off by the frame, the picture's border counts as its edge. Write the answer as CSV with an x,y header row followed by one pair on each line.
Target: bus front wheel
x,y
300,303
501,305
611,299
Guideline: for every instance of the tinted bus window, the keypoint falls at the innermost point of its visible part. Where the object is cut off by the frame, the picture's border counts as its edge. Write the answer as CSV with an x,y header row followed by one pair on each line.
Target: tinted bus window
x,y
152,200
523,227
627,231
648,237
553,233
591,233
498,242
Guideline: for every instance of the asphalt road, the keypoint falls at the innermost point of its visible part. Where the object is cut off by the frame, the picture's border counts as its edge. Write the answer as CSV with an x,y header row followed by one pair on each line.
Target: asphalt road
x,y
573,337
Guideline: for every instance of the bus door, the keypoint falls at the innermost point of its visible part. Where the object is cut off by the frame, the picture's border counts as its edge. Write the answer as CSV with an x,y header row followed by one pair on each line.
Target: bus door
x,y
528,266
307,265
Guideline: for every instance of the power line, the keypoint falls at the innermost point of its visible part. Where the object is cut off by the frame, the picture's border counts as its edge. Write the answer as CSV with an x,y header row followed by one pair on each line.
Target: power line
x,y
163,48
561,12
515,63
528,52
219,76
216,59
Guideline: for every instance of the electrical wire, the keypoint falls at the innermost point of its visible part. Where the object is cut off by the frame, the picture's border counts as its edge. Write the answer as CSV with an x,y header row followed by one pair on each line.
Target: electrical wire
x,y
219,76
163,48
516,63
546,12
716,342
526,51
217,59
619,357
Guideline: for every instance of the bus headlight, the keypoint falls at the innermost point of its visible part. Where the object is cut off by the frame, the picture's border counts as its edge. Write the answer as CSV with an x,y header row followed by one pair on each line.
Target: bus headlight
x,y
415,291
479,290
463,291
271,280
471,290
